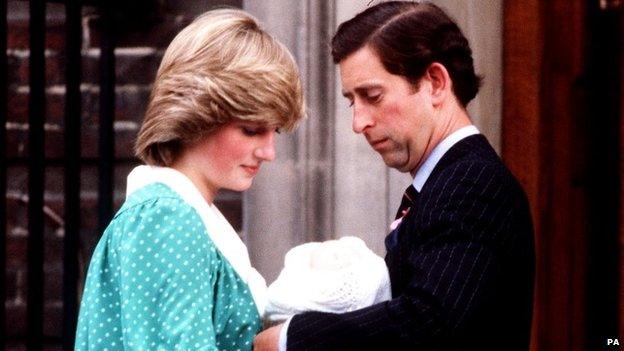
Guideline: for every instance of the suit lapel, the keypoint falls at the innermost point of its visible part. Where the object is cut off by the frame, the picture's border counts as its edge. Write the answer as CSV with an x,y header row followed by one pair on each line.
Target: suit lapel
x,y
400,240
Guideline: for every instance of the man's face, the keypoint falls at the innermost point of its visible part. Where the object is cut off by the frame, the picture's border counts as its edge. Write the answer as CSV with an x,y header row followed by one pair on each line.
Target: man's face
x,y
396,118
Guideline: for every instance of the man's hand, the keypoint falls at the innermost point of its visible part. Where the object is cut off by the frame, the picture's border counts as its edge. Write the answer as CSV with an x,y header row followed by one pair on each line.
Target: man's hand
x,y
268,340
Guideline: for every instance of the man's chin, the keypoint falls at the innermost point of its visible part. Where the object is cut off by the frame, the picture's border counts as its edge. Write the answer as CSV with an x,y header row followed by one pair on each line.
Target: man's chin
x,y
393,162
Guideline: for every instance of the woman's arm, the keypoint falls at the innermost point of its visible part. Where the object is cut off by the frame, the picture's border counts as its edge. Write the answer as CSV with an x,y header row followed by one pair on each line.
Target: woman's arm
x,y
166,279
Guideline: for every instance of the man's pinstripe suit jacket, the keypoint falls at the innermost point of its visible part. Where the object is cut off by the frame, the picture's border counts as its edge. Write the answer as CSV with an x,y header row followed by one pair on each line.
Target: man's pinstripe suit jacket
x,y
461,266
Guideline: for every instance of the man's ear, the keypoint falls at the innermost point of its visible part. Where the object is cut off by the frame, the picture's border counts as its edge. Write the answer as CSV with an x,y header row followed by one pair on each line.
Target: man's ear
x,y
441,83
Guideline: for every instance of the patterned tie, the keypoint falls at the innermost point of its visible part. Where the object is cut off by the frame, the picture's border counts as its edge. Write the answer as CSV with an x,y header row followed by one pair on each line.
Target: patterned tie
x,y
407,201
392,240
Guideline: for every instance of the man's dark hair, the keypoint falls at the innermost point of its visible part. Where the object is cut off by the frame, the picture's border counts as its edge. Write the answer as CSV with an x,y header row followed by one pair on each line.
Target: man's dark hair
x,y
408,37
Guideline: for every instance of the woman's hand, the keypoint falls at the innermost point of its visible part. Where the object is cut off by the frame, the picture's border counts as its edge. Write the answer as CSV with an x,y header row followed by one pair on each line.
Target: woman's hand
x,y
268,340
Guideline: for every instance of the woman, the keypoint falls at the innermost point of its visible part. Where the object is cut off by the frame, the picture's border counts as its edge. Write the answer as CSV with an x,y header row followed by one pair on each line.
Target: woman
x,y
170,272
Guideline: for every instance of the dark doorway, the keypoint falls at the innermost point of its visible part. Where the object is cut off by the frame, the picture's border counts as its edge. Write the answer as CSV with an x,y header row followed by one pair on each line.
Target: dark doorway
x,y
562,128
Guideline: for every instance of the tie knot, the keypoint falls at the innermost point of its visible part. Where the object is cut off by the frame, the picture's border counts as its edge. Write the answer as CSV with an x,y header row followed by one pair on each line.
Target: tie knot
x,y
406,202
410,194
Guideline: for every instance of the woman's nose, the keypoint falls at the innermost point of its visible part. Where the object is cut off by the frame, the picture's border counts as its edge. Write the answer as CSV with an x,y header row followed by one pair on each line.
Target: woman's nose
x,y
266,150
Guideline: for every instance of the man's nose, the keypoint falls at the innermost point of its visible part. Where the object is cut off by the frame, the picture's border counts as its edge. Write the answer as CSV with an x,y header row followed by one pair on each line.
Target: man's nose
x,y
361,119
266,150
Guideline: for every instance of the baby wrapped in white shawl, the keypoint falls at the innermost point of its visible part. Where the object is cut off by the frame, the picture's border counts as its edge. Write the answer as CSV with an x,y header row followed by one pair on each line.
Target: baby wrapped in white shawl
x,y
333,276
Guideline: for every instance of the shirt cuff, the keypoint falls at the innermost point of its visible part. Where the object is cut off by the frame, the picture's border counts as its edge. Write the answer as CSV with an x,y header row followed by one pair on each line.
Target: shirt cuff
x,y
283,335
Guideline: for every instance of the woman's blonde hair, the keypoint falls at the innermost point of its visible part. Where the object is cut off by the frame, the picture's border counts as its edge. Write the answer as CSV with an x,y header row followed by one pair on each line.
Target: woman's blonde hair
x,y
221,67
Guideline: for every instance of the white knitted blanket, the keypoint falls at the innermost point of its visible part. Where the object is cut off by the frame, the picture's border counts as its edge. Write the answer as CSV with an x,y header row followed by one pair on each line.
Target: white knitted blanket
x,y
333,276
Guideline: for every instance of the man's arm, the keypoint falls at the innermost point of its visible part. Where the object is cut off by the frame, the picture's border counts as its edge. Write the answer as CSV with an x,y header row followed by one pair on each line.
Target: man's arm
x,y
458,284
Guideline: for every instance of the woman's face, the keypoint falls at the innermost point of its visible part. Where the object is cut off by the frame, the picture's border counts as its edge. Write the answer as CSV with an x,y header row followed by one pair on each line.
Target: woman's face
x,y
229,157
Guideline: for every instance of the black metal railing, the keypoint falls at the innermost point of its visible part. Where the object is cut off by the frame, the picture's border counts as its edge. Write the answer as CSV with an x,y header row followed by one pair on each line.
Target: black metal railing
x,y
73,44
3,169
71,161
36,173
107,109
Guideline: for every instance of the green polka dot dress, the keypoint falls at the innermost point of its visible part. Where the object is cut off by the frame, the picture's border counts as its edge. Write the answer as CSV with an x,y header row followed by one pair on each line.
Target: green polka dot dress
x,y
169,273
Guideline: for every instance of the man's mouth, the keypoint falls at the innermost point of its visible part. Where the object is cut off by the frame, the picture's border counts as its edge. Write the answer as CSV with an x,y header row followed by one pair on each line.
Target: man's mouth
x,y
378,143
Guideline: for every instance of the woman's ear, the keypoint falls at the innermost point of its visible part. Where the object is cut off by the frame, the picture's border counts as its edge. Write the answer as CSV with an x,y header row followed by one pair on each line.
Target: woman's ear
x,y
441,84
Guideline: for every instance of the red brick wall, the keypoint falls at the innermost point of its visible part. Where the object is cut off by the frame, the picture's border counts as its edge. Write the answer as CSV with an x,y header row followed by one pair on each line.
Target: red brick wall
x,y
137,57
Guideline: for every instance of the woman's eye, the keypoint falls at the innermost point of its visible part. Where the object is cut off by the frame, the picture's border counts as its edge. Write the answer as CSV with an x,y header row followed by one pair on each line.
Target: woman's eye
x,y
254,131
250,131
351,102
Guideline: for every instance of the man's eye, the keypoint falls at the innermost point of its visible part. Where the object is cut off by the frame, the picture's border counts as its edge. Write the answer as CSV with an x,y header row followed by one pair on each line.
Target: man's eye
x,y
373,98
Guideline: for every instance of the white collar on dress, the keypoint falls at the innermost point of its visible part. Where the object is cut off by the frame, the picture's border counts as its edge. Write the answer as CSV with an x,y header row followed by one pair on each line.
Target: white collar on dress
x,y
219,229
436,154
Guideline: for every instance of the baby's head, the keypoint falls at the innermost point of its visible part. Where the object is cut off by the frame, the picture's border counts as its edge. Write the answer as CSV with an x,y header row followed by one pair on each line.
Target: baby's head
x,y
333,255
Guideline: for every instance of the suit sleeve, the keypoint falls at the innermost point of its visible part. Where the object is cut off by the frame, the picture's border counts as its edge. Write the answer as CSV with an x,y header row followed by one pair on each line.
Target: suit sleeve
x,y
454,265
166,279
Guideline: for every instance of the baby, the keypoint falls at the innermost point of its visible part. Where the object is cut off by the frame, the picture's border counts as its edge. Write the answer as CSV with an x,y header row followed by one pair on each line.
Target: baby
x,y
333,276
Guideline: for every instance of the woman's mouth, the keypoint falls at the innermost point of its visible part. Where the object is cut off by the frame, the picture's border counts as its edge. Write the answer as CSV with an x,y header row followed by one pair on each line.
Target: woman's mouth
x,y
251,170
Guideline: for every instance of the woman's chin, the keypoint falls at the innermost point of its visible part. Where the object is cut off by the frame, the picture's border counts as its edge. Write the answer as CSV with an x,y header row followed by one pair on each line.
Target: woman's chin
x,y
242,186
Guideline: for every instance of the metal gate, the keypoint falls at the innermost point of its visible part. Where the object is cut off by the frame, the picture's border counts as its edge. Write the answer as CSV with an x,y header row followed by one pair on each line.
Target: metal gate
x,y
70,162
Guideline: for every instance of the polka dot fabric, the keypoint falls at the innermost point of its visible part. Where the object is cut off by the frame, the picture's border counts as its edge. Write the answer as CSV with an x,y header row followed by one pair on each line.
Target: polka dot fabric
x,y
157,282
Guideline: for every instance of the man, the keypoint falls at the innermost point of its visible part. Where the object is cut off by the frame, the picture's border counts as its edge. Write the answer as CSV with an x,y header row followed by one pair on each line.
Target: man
x,y
461,255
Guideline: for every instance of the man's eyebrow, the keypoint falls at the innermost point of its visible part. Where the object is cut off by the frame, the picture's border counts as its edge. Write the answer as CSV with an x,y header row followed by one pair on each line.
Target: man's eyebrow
x,y
367,86
361,89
